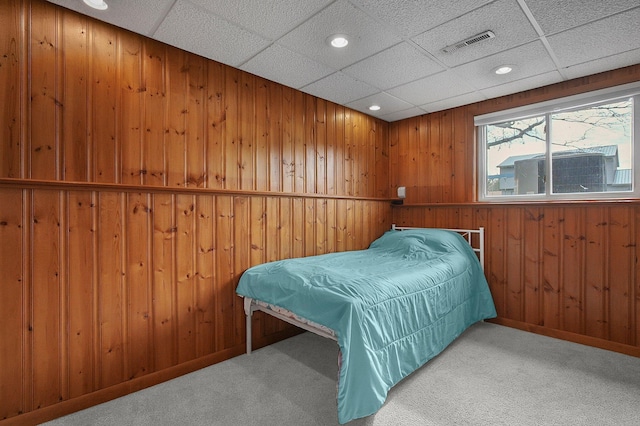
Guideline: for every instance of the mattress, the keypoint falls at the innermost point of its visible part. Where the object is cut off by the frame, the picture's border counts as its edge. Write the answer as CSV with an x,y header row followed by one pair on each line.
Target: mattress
x,y
392,306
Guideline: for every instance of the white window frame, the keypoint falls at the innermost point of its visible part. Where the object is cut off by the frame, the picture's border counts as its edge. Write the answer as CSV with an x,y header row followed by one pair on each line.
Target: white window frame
x,y
547,108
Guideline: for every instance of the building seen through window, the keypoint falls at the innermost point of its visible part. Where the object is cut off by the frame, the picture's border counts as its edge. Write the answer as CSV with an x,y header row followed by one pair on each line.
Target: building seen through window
x,y
590,149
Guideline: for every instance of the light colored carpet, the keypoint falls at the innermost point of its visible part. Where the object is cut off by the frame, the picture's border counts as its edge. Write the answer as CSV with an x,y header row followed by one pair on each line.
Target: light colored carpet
x,y
491,375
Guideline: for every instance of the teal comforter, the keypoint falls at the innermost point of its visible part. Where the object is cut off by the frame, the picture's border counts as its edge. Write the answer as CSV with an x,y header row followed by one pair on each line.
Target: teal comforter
x,y
393,306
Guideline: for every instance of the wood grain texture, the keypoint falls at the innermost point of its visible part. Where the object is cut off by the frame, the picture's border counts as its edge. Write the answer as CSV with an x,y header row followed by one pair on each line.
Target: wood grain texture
x,y
103,286
568,269
565,269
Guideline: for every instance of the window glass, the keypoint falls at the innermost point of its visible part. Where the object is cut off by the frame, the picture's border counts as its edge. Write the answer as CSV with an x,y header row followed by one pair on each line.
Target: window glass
x,y
591,149
515,147
588,143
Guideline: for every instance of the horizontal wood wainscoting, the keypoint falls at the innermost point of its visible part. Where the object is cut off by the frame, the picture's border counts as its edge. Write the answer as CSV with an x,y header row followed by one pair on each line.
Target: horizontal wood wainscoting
x,y
102,288
568,271
137,183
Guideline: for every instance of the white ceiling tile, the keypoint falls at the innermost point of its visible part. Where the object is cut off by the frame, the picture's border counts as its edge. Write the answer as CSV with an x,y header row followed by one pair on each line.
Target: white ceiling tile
x,y
554,16
401,115
522,84
526,61
411,17
397,65
283,66
616,34
509,33
339,88
194,29
140,16
388,104
431,89
269,18
284,41
453,102
366,36
619,60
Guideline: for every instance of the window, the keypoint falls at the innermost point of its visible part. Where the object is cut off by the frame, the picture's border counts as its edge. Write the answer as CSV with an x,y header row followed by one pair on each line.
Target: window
x,y
581,147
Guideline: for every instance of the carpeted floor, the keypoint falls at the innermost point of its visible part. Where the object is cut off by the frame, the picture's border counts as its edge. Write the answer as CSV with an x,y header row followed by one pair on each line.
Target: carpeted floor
x,y
491,375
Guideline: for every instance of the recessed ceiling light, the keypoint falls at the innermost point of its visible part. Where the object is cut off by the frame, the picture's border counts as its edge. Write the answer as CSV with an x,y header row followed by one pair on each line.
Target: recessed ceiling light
x,y
96,4
374,107
338,40
503,69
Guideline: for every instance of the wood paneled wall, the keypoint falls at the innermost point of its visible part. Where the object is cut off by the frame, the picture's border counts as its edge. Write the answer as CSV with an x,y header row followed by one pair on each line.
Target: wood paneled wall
x,y
137,183
567,270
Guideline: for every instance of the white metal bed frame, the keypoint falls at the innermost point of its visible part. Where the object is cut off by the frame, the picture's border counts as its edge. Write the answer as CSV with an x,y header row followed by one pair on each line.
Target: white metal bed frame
x,y
251,305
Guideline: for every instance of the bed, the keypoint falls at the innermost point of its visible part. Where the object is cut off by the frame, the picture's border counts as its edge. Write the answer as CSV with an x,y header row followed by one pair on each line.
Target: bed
x,y
391,307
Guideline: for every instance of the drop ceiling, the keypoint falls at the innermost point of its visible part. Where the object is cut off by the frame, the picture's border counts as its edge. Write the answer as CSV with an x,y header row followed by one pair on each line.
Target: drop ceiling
x,y
394,57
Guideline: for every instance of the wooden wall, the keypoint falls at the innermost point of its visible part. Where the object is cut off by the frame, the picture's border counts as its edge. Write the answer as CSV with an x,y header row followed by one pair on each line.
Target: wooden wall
x,y
568,270
137,182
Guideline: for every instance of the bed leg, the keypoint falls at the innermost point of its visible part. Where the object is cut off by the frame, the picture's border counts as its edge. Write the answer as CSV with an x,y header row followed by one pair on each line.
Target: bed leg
x,y
248,312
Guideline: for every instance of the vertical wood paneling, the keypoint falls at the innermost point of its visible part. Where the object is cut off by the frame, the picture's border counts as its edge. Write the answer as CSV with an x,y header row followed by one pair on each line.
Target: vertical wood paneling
x,y
139,309
74,98
321,147
263,137
551,259
11,306
206,274
104,47
80,242
347,164
299,142
215,126
11,67
100,287
566,268
331,131
575,265
223,296
572,277
241,261
131,125
175,161
42,93
532,265
497,261
231,148
621,278
595,266
153,161
309,146
459,169
352,229
246,136
383,182
186,273
45,296
513,265
297,227
434,158
110,290
164,327
195,121
288,162
276,162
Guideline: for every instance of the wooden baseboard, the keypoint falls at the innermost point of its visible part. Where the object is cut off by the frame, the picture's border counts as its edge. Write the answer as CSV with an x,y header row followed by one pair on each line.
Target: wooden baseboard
x,y
121,389
571,337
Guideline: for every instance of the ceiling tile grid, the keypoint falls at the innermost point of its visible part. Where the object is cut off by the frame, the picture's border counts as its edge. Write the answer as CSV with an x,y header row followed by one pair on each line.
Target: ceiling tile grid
x,y
192,28
394,57
366,36
509,33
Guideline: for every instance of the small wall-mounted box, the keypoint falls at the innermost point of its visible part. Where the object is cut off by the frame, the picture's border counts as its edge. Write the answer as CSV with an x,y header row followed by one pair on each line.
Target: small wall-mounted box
x,y
402,192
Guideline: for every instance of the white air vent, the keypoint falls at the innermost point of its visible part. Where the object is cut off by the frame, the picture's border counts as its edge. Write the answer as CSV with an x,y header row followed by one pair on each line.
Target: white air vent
x,y
471,40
